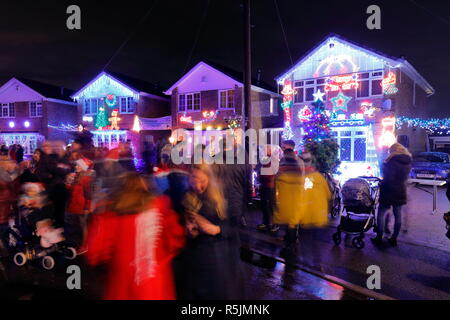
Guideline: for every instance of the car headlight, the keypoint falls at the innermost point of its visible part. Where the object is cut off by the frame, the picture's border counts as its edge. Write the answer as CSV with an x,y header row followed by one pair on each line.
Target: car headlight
x,y
443,174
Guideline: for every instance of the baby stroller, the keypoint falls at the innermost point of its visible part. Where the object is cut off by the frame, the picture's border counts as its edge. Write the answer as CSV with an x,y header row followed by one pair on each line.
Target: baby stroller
x,y
26,243
360,198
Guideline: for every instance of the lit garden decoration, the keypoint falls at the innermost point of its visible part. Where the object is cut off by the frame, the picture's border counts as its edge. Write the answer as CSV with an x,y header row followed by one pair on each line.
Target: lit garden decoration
x,y
111,100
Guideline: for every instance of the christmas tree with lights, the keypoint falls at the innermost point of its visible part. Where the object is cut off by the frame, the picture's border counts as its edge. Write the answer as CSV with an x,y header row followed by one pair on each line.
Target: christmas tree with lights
x,y
317,127
101,120
317,138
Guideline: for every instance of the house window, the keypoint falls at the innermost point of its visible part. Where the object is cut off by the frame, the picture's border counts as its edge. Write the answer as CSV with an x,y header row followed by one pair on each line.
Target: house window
x,y
306,89
91,106
189,102
126,105
8,110
352,143
226,99
370,84
35,109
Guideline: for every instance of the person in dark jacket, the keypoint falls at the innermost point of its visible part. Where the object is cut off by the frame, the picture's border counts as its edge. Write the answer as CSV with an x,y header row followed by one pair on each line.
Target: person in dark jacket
x,y
396,170
19,153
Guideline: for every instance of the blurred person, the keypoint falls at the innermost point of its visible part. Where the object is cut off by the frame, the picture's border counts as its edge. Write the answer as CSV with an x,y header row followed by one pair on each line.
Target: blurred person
x,y
136,238
207,262
12,152
314,201
80,187
396,168
29,168
149,156
288,188
9,189
19,153
126,159
267,194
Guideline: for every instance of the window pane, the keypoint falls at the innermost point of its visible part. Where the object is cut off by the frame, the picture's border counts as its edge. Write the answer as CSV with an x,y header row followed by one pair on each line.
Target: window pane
x,y
310,82
182,103
189,102
223,99
130,105
320,81
12,111
39,109
230,98
299,96
123,105
309,94
86,106
360,149
376,87
364,76
346,133
377,74
298,83
345,148
363,89
197,101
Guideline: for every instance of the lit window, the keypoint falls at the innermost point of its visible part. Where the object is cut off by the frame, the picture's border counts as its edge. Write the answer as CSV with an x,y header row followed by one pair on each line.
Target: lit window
x,y
126,105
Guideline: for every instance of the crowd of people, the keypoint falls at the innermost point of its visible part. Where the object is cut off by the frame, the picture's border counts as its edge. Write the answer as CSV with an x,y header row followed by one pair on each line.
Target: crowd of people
x,y
165,231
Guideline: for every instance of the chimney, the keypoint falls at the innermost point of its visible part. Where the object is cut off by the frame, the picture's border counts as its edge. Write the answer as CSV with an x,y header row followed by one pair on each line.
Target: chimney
x,y
258,77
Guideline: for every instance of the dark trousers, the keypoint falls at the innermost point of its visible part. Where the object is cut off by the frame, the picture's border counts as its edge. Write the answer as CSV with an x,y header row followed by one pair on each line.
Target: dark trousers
x,y
267,204
4,227
75,228
397,210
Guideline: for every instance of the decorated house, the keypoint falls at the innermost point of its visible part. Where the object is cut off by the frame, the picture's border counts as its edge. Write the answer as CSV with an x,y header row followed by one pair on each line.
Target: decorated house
x,y
209,97
32,112
117,108
364,92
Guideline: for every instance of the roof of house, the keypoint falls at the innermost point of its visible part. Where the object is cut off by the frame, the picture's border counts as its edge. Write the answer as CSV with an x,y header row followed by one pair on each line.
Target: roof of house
x,y
48,90
134,84
233,74
395,62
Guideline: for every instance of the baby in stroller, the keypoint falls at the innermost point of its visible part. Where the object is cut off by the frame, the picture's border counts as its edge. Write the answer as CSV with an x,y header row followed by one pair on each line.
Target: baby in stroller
x,y
32,235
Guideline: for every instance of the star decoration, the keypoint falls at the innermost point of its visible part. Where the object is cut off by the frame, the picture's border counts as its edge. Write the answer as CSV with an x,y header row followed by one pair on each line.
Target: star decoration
x,y
318,95
340,102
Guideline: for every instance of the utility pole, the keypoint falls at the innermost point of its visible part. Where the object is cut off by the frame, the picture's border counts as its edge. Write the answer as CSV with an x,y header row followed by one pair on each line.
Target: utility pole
x,y
247,65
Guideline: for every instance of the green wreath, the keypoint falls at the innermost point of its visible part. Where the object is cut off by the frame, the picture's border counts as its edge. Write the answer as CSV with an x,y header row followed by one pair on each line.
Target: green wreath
x,y
111,103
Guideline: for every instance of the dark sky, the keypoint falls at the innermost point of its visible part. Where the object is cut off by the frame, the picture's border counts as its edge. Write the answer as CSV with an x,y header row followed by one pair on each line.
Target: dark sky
x,y
35,43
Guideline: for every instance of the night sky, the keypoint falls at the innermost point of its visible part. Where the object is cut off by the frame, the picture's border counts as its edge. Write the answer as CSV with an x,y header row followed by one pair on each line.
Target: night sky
x,y
35,43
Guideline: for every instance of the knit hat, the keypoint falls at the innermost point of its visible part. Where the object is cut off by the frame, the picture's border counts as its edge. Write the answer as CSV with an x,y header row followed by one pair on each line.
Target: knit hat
x,y
83,163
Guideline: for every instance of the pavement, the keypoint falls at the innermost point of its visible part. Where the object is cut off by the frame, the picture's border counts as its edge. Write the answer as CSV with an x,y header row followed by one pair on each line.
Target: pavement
x,y
418,268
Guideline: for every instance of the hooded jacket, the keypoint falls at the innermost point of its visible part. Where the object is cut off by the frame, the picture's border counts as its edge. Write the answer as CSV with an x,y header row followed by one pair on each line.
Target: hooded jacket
x,y
393,187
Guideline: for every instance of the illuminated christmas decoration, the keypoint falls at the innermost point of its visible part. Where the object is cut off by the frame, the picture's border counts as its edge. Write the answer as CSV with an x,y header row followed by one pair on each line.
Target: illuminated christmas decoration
x,y
336,64
209,115
346,123
368,109
432,126
88,118
339,83
305,114
111,100
186,119
233,123
114,119
26,124
101,120
317,129
388,84
136,124
340,102
64,127
11,124
103,85
288,93
308,183
387,137
357,116
318,95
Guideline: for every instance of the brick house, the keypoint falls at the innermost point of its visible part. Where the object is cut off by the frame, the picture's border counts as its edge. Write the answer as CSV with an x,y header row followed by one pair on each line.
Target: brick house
x,y
33,111
364,91
212,95
143,110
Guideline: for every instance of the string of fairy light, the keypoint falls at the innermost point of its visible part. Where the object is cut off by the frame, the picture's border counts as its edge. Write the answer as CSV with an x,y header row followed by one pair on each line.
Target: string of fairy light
x,y
433,126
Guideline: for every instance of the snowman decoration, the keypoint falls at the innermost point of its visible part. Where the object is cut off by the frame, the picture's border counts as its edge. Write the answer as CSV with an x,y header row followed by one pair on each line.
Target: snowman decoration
x,y
114,119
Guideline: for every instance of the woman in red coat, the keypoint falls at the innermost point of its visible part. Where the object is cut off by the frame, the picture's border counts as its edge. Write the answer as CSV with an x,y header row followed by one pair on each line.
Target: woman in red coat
x,y
137,237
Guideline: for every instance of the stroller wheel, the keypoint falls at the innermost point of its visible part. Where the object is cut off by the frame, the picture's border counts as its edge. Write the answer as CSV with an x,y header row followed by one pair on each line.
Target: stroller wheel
x,y
70,253
48,262
337,238
358,242
20,258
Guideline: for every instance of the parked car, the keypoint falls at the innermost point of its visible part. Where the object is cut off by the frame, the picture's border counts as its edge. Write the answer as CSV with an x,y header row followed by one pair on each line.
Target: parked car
x,y
431,165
